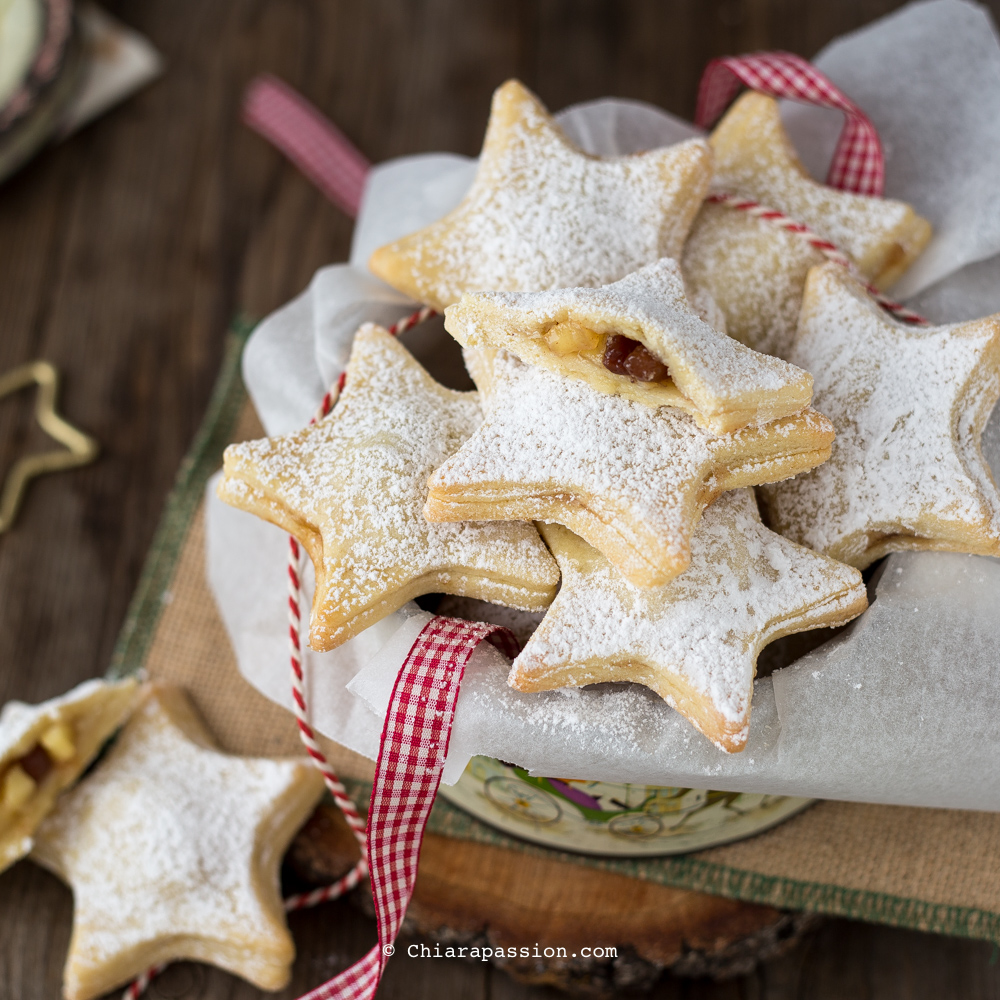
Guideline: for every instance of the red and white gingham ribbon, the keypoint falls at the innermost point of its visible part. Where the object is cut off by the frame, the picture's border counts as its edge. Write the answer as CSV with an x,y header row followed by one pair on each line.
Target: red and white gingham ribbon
x,y
411,757
413,749
858,164
327,156
309,139
418,723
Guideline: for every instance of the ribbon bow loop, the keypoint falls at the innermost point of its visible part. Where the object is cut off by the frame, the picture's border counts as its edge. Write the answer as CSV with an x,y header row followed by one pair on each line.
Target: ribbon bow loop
x,y
858,164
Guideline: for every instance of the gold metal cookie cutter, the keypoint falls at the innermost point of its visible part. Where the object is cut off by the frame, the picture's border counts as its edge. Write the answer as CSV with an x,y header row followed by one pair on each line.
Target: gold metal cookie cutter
x,y
79,448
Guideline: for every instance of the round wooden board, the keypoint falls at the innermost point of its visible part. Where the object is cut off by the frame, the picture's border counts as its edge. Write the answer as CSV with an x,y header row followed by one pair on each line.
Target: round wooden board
x,y
471,894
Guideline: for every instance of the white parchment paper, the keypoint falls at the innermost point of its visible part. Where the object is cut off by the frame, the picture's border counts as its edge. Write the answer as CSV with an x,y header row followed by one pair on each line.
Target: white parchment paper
x,y
897,709
929,78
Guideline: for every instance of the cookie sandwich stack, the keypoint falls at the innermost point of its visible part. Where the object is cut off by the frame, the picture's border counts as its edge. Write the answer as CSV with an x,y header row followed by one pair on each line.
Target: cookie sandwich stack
x,y
644,356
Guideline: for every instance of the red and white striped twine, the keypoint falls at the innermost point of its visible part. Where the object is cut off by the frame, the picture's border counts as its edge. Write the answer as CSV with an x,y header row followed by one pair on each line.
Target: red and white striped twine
x,y
328,157
418,723
306,733
825,247
140,984
295,566
344,802
412,751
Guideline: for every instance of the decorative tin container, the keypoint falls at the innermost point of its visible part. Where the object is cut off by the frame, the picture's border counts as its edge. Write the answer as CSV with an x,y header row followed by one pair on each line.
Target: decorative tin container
x,y
597,817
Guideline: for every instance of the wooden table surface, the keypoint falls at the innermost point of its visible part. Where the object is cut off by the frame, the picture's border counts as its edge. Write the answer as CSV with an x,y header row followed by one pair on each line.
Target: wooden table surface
x,y
124,253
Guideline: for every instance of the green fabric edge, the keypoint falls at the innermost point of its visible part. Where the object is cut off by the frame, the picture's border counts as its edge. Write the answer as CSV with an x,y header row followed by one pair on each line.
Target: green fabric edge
x,y
682,871
691,872
202,459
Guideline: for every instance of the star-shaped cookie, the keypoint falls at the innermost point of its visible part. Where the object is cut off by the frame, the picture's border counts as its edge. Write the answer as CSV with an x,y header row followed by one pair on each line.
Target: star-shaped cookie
x,y
45,748
172,850
352,487
631,479
695,641
543,214
909,405
755,270
572,331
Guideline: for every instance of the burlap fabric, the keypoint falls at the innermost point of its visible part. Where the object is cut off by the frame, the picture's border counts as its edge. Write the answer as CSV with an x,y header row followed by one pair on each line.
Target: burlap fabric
x,y
930,869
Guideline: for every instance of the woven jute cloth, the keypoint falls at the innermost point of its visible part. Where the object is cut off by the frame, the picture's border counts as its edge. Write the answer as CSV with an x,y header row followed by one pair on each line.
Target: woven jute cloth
x,y
932,869
190,647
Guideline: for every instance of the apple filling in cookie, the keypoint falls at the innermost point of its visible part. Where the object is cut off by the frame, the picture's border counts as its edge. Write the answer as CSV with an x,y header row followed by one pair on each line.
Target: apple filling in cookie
x,y
619,354
639,338
22,778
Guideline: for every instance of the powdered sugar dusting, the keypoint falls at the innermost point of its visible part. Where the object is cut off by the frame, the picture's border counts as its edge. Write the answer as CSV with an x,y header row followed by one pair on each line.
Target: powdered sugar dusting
x,y
755,159
166,839
542,214
650,305
645,471
359,477
755,270
745,584
909,405
18,720
557,436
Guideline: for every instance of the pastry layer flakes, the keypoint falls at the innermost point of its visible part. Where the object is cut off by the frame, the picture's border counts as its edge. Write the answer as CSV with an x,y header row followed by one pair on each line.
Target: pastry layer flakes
x,y
755,270
352,488
543,214
672,357
909,405
630,479
695,641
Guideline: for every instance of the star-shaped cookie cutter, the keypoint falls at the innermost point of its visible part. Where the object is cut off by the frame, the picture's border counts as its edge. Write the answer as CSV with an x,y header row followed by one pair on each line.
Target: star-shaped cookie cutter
x,y
79,448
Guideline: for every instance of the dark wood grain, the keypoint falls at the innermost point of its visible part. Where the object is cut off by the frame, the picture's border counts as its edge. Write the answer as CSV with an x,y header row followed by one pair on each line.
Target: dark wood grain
x,y
474,895
125,251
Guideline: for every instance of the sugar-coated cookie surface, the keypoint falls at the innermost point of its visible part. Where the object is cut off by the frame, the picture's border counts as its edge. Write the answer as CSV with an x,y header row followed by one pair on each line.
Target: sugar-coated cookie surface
x,y
909,405
631,479
695,641
720,382
352,487
172,850
543,214
756,271
45,748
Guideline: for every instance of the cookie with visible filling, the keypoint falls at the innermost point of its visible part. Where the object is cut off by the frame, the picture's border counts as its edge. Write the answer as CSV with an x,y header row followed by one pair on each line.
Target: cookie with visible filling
x,y
541,213
695,641
173,849
909,405
45,748
631,479
755,270
639,338
352,488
